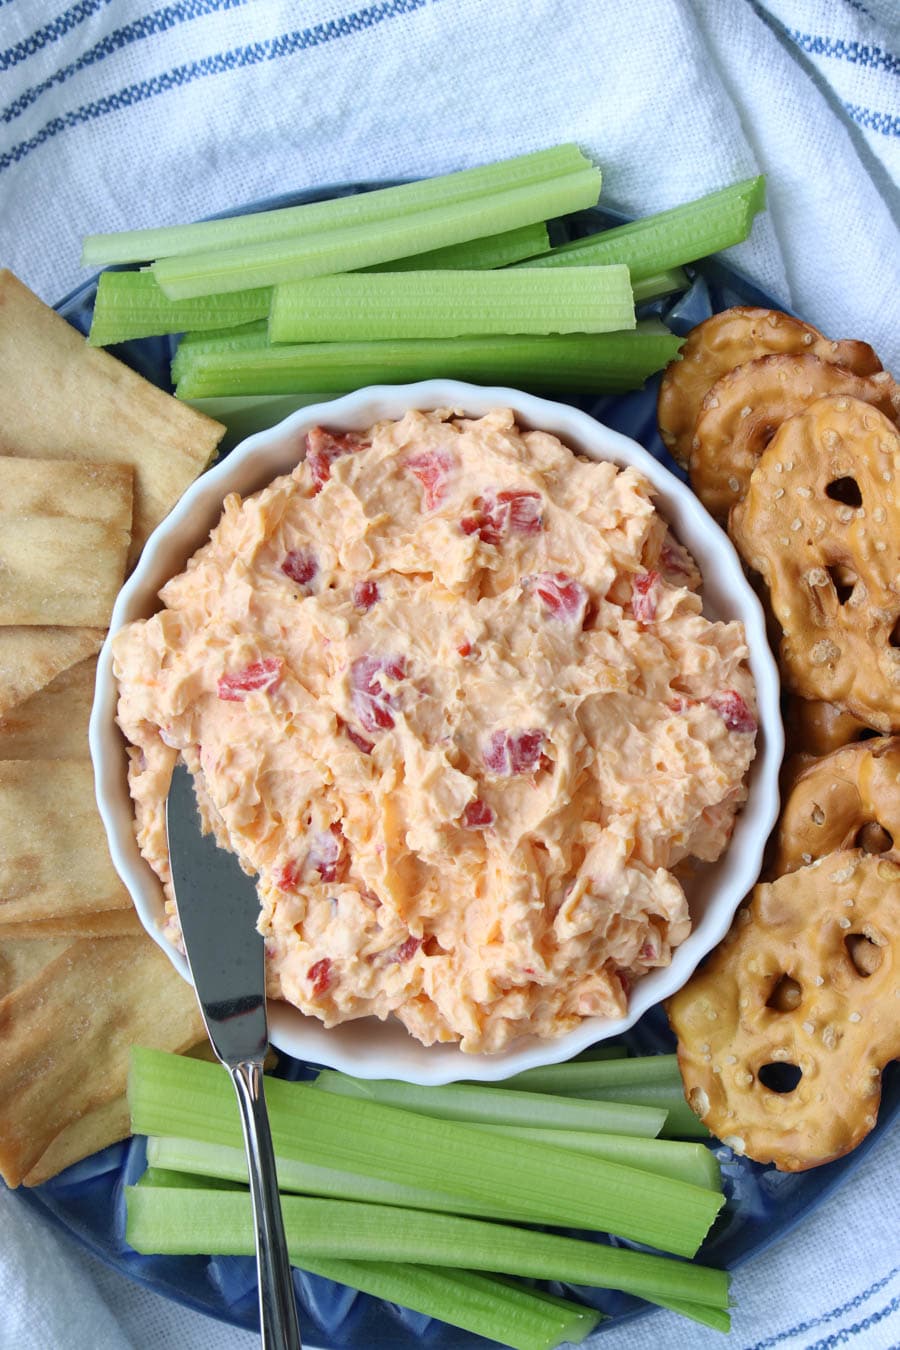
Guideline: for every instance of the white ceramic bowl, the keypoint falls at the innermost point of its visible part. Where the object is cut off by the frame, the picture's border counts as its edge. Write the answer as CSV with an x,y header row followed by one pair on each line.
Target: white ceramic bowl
x,y
369,1048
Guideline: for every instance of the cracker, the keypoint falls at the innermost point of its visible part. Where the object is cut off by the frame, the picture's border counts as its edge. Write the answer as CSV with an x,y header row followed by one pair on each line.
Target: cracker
x,y
31,657
817,728
848,799
726,340
21,960
54,862
743,410
96,1129
64,1056
821,524
784,1031
62,399
53,723
106,923
64,535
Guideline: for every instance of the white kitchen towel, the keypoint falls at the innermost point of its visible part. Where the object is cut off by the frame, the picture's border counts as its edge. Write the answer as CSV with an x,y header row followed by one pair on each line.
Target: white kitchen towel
x,y
116,114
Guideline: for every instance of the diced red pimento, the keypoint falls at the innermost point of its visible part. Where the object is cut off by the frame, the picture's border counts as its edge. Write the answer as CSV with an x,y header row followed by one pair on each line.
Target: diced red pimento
x,y
328,854
371,702
497,514
512,752
324,447
407,949
733,710
289,876
359,741
320,976
433,469
561,596
465,649
645,596
365,594
477,815
300,566
258,676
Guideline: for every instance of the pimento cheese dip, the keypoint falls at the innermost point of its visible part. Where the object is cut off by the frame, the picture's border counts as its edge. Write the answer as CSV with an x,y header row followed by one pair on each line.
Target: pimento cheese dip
x,y
448,690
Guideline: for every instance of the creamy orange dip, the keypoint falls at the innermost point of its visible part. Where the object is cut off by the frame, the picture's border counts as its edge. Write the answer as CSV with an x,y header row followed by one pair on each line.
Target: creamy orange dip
x,y
448,690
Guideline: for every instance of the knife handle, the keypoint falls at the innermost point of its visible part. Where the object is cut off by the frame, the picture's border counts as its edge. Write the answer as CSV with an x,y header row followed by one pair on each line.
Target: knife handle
x,y
278,1324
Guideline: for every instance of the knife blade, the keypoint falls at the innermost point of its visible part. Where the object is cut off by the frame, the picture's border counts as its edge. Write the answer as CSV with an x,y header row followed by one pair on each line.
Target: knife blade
x,y
218,907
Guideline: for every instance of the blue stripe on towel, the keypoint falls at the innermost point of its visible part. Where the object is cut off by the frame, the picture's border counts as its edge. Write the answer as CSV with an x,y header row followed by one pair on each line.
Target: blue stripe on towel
x,y
846,1334
884,122
51,32
858,53
160,21
855,1302
270,49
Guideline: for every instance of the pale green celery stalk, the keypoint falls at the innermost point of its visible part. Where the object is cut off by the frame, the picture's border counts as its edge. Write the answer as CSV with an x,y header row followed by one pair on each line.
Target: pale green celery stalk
x,y
174,1095
362,208
659,284
681,1123
577,1075
680,235
163,1178
131,305
351,247
187,1222
248,337
496,250
644,1080
478,1104
193,1158
355,308
600,363
667,1157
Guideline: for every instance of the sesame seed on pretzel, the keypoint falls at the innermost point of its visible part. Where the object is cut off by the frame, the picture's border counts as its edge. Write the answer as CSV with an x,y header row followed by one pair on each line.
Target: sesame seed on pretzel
x,y
850,798
726,340
821,524
783,1033
744,409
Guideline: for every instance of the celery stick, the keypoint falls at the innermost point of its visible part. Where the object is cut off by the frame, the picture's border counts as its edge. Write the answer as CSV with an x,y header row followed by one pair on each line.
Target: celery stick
x,y
681,1123
667,1157
680,235
487,1105
357,308
162,1178
593,364
187,1222
174,1095
717,1318
189,1156
353,246
131,305
578,1075
363,208
248,337
659,284
496,250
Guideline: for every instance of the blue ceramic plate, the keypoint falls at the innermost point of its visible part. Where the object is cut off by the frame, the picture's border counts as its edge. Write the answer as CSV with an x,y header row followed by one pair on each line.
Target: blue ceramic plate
x,y
762,1204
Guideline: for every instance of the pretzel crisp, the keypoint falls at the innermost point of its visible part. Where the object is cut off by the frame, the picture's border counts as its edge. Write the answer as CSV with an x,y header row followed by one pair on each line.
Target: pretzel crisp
x,y
728,340
817,728
821,524
783,1033
744,409
850,798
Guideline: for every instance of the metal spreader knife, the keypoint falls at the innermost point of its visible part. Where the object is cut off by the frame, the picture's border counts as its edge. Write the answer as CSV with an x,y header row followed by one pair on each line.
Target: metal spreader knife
x,y
217,908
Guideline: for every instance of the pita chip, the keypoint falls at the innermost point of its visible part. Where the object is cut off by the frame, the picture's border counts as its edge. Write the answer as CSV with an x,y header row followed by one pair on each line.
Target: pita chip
x,y
64,535
54,861
20,961
62,399
65,1056
31,657
53,723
